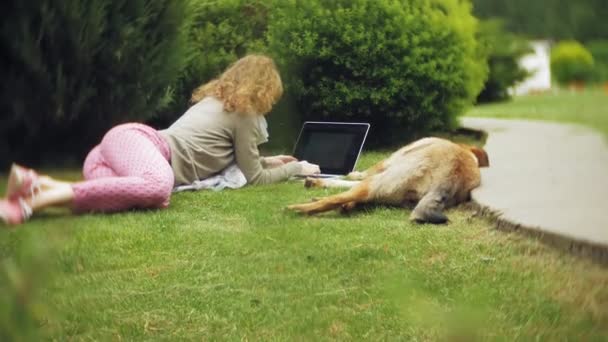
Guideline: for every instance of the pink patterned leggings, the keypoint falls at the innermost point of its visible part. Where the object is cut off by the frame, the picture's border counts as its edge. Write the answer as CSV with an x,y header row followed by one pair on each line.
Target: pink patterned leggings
x,y
128,169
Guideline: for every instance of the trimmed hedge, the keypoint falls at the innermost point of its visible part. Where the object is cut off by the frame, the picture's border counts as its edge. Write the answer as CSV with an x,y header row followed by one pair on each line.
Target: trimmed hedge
x,y
405,66
571,62
73,68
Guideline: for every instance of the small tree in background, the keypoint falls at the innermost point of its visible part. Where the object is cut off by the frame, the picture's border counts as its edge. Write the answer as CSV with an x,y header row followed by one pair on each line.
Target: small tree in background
x,y
571,62
73,68
504,52
404,66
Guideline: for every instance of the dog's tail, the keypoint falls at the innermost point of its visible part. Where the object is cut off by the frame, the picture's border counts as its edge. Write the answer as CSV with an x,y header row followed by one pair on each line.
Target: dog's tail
x,y
348,198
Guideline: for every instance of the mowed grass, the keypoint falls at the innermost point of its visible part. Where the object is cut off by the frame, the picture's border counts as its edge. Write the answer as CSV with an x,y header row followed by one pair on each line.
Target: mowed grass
x,y
589,107
234,265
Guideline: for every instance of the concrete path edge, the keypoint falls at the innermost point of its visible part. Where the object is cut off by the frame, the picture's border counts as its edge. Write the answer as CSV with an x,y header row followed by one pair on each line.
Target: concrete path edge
x,y
508,220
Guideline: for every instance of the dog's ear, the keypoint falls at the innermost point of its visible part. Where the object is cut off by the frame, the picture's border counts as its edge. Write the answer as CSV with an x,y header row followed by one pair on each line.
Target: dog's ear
x,y
481,155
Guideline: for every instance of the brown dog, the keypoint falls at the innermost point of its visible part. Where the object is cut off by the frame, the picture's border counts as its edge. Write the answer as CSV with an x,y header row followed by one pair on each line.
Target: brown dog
x,y
432,172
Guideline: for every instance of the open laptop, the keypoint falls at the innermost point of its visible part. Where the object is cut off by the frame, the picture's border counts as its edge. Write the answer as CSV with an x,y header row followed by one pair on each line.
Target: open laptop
x,y
334,146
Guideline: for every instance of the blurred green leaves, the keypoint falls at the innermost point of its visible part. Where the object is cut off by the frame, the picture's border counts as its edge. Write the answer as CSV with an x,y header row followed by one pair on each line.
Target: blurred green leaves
x,y
24,276
582,20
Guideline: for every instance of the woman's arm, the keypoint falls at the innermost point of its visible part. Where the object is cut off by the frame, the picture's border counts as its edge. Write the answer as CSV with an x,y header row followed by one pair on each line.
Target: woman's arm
x,y
276,161
248,156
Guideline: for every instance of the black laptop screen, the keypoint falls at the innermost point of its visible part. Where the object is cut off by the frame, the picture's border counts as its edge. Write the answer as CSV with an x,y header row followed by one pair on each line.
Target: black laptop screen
x,y
335,147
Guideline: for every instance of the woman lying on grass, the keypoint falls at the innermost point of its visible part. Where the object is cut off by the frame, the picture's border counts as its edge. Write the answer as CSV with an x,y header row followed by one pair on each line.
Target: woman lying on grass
x,y
136,166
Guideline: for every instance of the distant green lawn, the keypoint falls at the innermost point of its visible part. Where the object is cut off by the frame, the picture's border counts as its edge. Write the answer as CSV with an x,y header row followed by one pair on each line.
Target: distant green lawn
x,y
233,265
588,108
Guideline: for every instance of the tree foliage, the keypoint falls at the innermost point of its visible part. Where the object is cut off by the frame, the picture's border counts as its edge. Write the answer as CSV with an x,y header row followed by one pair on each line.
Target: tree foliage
x,y
73,68
581,20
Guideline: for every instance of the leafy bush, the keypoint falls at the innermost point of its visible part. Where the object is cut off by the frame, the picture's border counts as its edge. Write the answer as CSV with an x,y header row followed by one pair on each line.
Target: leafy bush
x,y
73,68
411,65
599,51
504,52
571,62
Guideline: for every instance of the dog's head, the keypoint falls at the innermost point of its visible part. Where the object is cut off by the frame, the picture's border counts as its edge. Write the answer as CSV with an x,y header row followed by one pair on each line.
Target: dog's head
x,y
481,155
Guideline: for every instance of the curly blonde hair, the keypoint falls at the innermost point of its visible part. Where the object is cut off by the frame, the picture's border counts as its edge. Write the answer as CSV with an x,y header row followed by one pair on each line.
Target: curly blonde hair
x,y
251,85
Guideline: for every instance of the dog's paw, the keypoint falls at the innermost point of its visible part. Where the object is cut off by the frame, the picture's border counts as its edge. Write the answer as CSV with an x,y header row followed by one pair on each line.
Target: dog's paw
x,y
355,175
429,216
347,207
298,208
313,183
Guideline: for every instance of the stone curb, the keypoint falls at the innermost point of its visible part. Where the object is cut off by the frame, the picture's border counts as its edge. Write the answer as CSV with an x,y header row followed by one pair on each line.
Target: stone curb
x,y
595,252
580,246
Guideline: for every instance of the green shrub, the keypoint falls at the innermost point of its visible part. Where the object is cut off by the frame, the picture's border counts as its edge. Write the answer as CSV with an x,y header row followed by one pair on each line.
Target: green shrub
x,y
504,52
571,62
73,68
599,51
411,65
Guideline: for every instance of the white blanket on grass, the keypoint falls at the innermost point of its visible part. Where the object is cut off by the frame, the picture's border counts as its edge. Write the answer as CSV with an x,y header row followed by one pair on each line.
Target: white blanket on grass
x,y
231,177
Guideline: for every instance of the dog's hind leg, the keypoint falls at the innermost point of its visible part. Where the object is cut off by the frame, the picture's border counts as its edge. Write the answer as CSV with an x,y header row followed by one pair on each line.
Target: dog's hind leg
x,y
430,208
349,198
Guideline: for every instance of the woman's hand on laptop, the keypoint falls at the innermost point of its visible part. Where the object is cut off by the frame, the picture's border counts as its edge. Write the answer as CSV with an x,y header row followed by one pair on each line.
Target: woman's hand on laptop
x,y
276,161
309,169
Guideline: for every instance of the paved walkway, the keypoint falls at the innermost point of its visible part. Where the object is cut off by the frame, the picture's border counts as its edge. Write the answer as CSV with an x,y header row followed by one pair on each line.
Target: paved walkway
x,y
547,177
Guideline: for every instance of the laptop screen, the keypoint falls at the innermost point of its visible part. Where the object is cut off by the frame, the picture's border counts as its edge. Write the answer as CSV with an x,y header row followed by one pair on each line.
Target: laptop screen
x,y
334,146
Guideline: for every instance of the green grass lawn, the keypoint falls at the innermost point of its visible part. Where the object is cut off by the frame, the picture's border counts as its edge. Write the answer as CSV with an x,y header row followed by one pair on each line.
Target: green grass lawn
x,y
234,265
588,108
